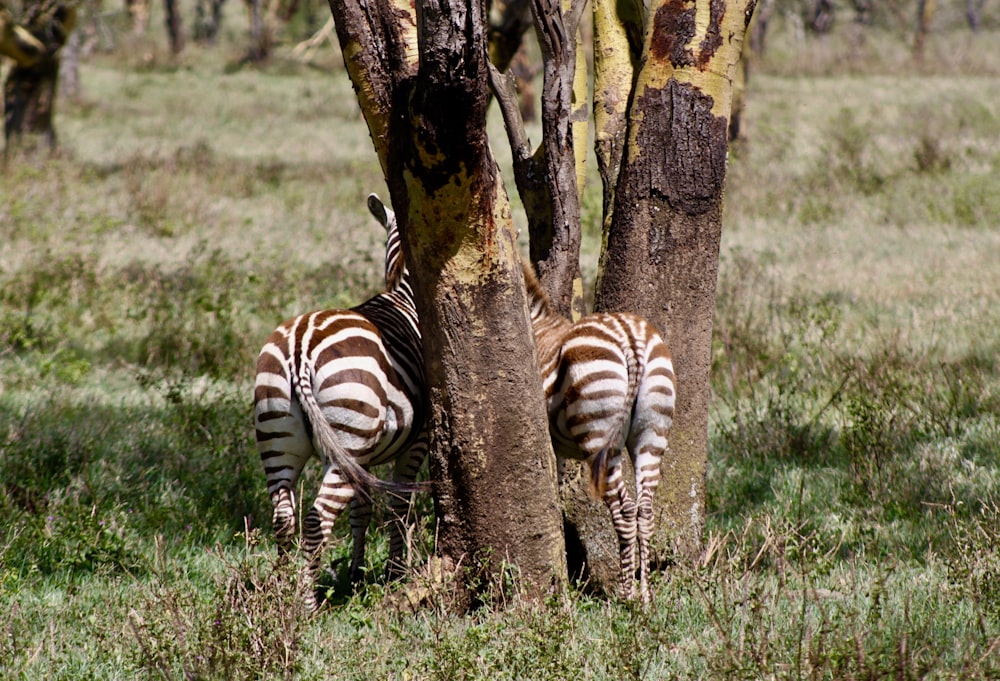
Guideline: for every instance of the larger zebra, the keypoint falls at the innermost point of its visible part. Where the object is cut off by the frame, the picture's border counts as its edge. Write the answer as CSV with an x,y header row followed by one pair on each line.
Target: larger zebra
x,y
348,386
609,385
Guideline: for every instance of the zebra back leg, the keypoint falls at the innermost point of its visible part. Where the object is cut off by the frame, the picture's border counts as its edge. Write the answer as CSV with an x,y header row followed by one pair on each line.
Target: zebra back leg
x,y
335,493
284,449
405,469
647,478
361,517
623,516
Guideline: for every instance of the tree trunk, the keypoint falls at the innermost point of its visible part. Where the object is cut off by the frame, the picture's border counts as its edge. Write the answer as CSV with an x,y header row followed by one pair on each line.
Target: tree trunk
x,y
925,15
174,26
821,18
16,42
974,13
662,252
30,90
425,100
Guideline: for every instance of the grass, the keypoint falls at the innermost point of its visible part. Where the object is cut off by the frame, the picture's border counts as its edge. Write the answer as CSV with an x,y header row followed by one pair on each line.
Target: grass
x,y
853,492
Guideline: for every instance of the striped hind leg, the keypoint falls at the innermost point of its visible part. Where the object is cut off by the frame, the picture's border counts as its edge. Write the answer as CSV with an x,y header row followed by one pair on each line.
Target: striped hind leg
x,y
284,451
335,493
405,469
623,517
647,478
361,518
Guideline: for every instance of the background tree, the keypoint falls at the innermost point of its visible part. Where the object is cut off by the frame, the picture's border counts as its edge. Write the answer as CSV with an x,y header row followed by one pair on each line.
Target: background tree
x,y
420,76
30,88
15,41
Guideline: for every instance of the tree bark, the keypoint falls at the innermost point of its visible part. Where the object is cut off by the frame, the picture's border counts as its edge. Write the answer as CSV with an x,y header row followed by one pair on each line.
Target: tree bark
x,y
30,89
925,15
174,25
662,252
421,81
16,42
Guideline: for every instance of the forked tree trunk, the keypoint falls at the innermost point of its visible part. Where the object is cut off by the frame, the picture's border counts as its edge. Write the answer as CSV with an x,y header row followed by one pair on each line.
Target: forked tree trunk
x,y
662,251
492,464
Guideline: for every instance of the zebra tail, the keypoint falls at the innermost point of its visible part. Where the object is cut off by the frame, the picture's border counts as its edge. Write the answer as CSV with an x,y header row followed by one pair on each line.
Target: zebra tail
x,y
363,481
599,467
599,475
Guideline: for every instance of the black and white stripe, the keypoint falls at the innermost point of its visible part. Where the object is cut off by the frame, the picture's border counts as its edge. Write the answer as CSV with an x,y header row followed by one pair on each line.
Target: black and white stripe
x,y
347,386
609,386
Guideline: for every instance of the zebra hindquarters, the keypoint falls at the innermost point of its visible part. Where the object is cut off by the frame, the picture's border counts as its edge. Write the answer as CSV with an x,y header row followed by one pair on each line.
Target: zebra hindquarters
x,y
283,443
652,417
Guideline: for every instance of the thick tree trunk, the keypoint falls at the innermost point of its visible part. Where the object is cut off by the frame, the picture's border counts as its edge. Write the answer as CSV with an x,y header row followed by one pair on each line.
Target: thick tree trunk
x,y
30,90
424,99
16,42
663,246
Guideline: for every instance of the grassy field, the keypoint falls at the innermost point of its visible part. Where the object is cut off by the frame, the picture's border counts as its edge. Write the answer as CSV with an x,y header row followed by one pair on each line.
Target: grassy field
x,y
854,476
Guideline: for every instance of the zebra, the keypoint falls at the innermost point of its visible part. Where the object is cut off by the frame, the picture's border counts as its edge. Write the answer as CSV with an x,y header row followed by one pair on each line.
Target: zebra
x,y
609,385
347,386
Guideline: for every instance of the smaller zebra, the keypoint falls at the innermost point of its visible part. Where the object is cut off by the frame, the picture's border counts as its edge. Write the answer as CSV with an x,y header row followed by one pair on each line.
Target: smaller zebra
x,y
347,386
609,385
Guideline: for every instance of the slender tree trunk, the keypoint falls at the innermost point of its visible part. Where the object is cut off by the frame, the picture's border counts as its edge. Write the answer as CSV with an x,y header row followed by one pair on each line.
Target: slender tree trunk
x,y
925,15
174,25
663,245
421,80
974,13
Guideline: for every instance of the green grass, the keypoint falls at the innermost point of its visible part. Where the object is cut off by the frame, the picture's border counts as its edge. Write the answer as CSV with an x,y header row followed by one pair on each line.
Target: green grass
x,y
853,485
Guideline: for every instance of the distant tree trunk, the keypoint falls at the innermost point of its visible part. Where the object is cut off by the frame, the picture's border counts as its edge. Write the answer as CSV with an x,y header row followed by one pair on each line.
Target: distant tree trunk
x,y
758,26
138,11
70,68
208,20
863,11
16,42
508,23
30,90
260,32
925,15
974,13
821,17
662,252
491,460
174,25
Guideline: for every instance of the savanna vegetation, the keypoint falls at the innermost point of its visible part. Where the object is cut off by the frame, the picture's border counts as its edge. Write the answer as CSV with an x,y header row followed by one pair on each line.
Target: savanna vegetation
x,y
853,519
